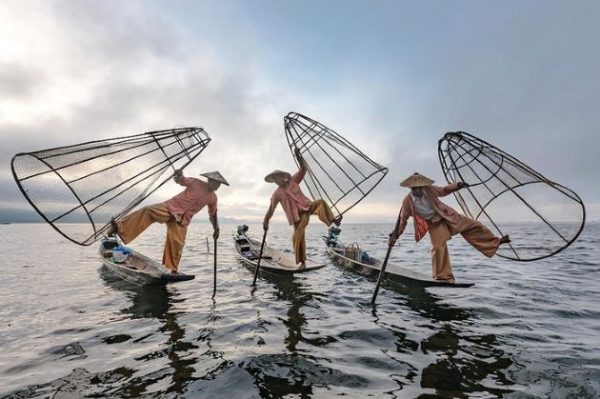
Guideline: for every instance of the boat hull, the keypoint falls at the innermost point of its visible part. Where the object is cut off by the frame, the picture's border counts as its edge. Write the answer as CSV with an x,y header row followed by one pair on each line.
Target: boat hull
x,y
137,269
396,273
273,260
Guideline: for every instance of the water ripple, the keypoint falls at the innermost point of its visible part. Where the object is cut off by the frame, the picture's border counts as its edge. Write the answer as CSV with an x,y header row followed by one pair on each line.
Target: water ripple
x,y
68,328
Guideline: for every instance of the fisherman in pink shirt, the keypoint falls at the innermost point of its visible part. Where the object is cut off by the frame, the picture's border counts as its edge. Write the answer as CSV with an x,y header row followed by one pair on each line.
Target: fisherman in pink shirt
x,y
297,206
176,213
442,222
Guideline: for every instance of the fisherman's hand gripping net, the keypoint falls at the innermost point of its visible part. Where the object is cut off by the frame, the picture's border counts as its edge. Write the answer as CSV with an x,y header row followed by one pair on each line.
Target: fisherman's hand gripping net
x,y
541,216
78,188
338,172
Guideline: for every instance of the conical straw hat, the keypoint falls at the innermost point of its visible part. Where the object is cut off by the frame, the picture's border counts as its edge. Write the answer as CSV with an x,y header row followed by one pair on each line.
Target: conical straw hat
x,y
416,180
270,178
215,176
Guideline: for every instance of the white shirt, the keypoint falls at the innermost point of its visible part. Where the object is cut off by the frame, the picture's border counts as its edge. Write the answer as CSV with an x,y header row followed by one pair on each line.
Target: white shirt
x,y
423,206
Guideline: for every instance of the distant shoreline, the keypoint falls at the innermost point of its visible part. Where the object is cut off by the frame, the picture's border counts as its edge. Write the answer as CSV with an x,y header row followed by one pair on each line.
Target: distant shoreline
x,y
28,217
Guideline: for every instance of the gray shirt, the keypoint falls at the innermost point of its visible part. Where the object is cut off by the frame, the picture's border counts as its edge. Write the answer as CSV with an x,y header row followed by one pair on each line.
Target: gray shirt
x,y
423,206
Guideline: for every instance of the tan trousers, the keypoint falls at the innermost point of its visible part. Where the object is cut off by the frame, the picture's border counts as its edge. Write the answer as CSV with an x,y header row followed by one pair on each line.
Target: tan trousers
x,y
321,209
476,234
135,223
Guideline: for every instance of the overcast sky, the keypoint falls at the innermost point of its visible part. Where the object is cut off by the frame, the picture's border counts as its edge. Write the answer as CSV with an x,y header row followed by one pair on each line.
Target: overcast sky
x,y
391,76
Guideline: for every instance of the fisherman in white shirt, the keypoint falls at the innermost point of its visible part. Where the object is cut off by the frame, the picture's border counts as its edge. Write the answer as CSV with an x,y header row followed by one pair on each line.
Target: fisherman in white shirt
x,y
430,215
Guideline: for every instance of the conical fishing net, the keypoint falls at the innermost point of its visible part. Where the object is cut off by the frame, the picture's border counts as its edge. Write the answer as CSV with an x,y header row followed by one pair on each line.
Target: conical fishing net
x,y
542,217
339,173
78,188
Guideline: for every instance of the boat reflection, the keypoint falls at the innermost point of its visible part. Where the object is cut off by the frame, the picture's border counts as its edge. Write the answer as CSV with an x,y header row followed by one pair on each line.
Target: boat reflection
x,y
156,302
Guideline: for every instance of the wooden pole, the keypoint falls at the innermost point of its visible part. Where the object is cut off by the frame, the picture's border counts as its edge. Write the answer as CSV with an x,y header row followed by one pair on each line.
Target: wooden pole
x,y
262,246
381,272
215,271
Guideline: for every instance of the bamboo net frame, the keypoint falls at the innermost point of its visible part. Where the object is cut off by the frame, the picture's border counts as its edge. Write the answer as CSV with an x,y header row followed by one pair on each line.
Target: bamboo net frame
x,y
77,189
338,172
541,216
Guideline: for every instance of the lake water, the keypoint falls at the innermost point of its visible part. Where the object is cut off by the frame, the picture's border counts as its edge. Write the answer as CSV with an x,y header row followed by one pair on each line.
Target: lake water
x,y
69,330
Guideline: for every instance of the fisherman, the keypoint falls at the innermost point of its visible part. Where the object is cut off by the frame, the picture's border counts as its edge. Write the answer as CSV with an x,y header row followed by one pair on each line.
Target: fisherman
x,y
297,206
442,222
177,213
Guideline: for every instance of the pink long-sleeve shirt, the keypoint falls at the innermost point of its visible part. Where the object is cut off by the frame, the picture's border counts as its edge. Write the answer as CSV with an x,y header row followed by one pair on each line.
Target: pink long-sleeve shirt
x,y
441,209
292,199
190,201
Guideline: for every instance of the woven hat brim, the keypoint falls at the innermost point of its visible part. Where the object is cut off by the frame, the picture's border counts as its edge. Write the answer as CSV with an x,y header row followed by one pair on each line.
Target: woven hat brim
x,y
416,181
216,177
271,177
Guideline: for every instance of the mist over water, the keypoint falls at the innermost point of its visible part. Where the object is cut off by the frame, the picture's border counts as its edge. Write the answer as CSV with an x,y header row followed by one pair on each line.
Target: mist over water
x,y
69,329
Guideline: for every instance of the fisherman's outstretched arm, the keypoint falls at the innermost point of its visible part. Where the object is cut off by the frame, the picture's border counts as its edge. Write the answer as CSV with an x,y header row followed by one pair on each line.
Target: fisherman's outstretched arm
x,y
449,189
180,178
215,224
400,226
269,213
303,166
403,215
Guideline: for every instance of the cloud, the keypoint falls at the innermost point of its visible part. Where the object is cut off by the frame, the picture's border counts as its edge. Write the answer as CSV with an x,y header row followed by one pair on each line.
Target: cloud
x,y
520,77
110,72
18,80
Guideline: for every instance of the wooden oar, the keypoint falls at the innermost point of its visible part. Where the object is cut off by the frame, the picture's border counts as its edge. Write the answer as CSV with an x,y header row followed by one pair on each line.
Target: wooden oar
x,y
262,246
381,272
215,271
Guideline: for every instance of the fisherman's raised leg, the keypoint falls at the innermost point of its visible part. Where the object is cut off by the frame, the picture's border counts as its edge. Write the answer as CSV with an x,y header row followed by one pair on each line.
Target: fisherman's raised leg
x,y
136,222
476,234
323,211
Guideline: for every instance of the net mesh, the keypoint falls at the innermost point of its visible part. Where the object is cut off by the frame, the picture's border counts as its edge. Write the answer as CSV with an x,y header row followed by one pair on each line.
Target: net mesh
x,y
338,172
542,217
91,182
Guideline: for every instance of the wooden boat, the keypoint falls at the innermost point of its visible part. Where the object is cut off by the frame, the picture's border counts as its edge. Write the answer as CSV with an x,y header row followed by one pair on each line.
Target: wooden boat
x,y
351,257
134,267
273,260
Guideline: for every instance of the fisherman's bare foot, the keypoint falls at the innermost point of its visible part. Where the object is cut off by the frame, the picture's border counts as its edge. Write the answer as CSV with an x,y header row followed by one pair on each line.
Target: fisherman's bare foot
x,y
505,239
174,272
445,280
302,266
338,220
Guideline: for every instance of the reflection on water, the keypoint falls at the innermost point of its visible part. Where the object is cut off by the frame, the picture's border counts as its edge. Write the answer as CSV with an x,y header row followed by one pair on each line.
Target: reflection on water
x,y
297,296
461,362
428,305
519,332
294,372
468,364
157,302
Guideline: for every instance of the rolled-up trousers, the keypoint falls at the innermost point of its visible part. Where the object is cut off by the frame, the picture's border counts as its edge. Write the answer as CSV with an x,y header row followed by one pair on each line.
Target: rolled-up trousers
x,y
476,234
135,223
321,209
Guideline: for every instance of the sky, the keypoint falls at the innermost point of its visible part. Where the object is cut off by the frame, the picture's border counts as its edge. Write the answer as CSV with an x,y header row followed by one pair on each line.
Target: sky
x,y
390,76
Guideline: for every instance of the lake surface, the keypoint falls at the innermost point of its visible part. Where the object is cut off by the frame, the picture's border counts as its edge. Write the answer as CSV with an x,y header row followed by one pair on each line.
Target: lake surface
x,y
68,329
